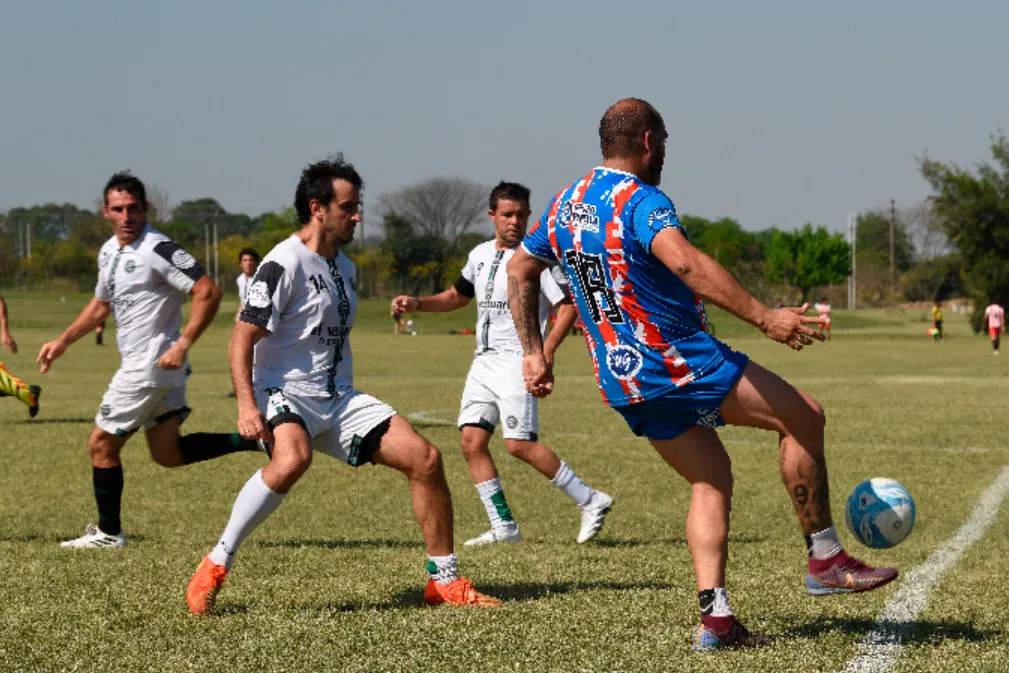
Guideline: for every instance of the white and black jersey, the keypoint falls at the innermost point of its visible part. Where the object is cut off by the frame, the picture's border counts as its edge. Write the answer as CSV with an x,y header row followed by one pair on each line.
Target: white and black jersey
x,y
243,287
146,283
307,303
484,278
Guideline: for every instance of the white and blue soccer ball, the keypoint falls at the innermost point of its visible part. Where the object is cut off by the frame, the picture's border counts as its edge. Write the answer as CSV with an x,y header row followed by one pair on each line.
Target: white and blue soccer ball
x,y
880,513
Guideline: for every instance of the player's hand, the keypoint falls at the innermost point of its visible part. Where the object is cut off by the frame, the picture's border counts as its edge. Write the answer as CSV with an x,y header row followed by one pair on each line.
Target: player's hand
x,y
10,344
788,326
548,356
252,424
405,304
49,353
175,356
538,375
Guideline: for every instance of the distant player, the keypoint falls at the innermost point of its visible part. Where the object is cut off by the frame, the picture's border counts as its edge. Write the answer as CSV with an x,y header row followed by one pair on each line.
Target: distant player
x,y
495,391
10,385
248,261
638,285
995,317
397,320
823,310
143,278
292,366
937,335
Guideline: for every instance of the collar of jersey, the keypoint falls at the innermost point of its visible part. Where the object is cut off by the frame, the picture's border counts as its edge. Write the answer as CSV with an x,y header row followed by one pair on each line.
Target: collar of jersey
x,y
135,245
302,244
616,170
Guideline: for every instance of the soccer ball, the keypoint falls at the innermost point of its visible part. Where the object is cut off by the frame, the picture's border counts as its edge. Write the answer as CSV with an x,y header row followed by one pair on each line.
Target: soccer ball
x,y
880,513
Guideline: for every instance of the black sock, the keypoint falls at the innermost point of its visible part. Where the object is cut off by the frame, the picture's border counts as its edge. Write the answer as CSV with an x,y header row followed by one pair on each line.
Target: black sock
x,y
108,485
996,342
208,445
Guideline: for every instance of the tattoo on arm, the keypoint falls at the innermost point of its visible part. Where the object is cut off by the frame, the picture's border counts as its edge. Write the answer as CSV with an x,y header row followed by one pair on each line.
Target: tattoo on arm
x,y
523,299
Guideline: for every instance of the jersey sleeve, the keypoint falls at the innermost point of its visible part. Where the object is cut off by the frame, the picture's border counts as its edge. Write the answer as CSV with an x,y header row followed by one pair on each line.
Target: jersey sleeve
x,y
102,286
655,213
176,266
537,240
267,296
554,285
465,284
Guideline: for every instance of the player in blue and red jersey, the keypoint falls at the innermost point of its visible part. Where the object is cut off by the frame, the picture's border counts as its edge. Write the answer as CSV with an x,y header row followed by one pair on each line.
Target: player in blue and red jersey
x,y
639,286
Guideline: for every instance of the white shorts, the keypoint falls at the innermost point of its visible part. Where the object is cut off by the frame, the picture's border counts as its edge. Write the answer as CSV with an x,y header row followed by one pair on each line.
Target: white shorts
x,y
125,408
495,391
338,427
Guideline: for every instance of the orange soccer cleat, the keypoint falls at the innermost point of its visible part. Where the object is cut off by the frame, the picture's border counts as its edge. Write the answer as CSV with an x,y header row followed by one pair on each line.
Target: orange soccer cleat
x,y
460,592
204,585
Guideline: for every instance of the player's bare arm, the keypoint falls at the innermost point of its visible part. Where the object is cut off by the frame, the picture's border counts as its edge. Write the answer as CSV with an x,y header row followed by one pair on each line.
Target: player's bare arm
x,y
567,314
443,302
251,423
93,314
8,340
524,273
206,300
709,279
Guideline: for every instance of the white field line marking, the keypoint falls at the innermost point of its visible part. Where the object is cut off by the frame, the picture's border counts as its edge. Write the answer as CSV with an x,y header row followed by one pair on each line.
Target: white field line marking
x,y
881,648
428,417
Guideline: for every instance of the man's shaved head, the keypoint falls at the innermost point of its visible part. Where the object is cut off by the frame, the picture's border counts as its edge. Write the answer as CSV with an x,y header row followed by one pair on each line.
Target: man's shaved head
x,y
623,127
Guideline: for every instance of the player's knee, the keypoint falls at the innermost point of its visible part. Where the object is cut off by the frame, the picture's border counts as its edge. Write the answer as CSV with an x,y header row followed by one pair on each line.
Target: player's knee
x,y
292,463
101,448
718,486
472,447
427,461
816,417
518,447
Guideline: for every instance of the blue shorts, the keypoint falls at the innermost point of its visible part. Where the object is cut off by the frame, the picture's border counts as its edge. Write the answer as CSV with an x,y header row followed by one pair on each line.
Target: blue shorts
x,y
697,403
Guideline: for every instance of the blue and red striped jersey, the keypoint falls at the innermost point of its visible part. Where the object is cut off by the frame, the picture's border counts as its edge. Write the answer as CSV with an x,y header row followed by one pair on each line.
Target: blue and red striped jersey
x,y
645,329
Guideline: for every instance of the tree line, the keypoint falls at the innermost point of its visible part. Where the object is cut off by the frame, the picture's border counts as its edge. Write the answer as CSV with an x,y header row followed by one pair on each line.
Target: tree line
x,y
952,244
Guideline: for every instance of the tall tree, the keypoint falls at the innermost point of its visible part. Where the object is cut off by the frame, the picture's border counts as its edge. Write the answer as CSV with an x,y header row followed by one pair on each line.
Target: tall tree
x,y
973,207
439,211
872,241
808,258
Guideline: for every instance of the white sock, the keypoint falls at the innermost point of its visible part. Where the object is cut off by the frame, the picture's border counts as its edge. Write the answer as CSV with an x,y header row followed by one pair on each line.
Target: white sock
x,y
443,569
254,503
494,502
824,544
573,487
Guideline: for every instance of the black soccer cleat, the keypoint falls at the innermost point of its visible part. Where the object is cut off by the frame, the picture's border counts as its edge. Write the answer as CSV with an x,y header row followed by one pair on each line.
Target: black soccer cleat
x,y
34,409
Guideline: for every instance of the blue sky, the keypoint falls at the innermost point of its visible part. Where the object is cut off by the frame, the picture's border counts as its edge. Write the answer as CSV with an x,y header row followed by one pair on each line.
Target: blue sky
x,y
779,112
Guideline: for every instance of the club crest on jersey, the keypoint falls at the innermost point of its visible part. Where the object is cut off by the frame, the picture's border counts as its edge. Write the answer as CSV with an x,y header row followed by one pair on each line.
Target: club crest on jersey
x,y
662,218
623,362
183,260
581,215
105,410
258,295
130,266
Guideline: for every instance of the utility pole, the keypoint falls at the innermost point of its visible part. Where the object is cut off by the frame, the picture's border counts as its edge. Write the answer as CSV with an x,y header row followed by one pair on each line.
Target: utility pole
x,y
217,266
852,228
893,220
206,244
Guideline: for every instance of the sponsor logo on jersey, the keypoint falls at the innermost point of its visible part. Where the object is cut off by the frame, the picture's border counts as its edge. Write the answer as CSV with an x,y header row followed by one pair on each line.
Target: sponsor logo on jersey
x,y
494,305
581,215
183,260
624,362
258,295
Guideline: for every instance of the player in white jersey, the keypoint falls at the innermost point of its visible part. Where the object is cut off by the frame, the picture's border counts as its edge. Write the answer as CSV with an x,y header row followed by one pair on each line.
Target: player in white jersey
x,y
994,316
143,278
292,368
248,261
495,390
823,310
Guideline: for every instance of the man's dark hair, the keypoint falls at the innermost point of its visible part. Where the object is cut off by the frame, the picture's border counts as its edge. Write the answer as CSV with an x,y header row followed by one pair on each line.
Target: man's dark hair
x,y
124,181
508,191
316,183
624,124
250,252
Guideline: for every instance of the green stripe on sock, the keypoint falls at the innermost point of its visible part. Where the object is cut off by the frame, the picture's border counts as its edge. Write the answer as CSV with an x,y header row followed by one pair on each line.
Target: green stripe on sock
x,y
501,505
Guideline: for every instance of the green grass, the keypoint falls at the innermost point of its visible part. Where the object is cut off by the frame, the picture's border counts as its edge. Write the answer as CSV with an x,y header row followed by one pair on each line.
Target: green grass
x,y
332,581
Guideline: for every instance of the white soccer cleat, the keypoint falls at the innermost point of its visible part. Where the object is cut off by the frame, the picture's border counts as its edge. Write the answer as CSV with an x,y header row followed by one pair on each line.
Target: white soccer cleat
x,y
93,538
506,535
593,516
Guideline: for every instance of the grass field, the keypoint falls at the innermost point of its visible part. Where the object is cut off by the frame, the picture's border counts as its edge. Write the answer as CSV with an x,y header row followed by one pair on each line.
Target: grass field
x,y
333,580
